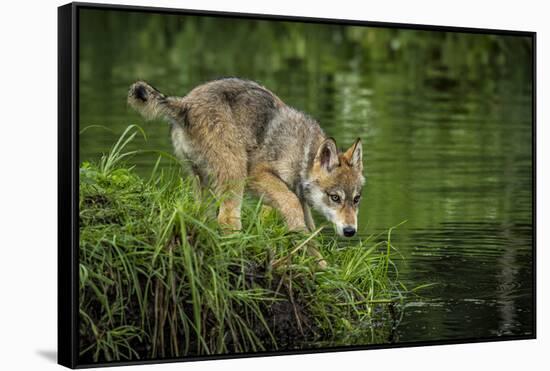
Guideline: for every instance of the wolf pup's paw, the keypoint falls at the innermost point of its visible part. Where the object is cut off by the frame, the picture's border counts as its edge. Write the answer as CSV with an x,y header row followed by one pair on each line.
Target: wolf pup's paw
x,y
319,260
230,225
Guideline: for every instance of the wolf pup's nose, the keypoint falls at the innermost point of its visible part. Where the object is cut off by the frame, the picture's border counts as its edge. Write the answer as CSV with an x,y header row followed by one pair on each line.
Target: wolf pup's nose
x,y
349,231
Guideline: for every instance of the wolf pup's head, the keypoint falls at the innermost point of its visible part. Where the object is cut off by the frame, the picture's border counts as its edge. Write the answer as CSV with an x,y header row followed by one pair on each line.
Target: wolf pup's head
x,y
334,185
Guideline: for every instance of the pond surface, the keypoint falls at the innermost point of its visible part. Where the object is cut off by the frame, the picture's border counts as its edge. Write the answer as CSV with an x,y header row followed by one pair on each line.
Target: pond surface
x,y
446,124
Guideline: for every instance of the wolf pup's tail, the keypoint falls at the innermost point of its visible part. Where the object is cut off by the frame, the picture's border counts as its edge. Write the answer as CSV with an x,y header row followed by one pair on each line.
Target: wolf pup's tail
x,y
152,104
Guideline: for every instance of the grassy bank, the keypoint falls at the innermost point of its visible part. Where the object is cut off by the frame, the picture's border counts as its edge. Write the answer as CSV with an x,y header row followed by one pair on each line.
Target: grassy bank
x,y
159,279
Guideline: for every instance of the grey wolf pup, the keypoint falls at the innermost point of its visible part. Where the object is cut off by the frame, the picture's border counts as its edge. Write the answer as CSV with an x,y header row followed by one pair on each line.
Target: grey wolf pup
x,y
238,134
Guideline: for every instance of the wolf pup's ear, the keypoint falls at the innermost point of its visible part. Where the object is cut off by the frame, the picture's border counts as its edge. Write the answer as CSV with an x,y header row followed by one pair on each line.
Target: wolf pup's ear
x,y
354,155
327,155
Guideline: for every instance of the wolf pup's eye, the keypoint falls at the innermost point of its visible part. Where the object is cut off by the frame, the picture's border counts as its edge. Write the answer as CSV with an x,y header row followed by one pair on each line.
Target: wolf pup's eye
x,y
356,199
335,198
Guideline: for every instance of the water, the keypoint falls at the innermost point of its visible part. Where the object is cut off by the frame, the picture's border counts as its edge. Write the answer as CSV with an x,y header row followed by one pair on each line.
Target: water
x,y
445,119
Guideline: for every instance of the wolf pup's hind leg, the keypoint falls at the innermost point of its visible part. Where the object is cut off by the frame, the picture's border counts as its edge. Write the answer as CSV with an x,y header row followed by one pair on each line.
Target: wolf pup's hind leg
x,y
227,168
229,215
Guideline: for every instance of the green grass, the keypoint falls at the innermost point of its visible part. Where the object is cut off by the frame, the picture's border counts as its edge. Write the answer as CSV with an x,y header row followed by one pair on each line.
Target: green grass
x,y
158,278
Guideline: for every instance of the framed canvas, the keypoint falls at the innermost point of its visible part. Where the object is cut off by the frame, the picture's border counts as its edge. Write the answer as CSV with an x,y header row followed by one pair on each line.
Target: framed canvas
x,y
235,185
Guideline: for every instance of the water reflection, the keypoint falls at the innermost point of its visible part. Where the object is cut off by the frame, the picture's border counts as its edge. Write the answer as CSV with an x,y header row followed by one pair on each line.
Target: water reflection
x,y
482,273
445,119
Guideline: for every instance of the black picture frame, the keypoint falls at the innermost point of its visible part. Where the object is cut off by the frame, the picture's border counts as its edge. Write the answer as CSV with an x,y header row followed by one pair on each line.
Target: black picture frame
x,y
68,176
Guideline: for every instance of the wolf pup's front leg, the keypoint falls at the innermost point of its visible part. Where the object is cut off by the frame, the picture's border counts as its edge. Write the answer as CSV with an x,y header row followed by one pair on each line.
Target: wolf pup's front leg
x,y
308,217
276,193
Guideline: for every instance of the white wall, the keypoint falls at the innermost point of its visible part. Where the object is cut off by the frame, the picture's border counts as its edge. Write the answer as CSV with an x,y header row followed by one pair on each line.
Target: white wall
x,y
28,181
